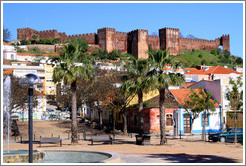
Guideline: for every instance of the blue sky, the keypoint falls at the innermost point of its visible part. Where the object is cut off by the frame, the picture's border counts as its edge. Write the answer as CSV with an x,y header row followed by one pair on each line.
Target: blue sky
x,y
203,20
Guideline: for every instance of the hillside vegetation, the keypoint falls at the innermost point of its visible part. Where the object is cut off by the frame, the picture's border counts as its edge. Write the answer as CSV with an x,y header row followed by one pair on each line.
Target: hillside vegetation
x,y
213,58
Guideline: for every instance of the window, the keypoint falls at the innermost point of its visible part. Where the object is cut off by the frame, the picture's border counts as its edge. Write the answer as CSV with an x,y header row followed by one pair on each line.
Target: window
x,y
169,118
206,120
12,56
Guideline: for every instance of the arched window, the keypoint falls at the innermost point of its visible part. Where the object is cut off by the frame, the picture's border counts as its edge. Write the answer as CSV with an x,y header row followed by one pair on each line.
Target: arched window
x,y
169,118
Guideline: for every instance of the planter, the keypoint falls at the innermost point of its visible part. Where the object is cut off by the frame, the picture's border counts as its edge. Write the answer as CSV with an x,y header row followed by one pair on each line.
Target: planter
x,y
142,140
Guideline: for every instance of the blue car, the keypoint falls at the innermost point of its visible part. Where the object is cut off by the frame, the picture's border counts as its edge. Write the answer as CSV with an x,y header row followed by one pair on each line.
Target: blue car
x,y
230,135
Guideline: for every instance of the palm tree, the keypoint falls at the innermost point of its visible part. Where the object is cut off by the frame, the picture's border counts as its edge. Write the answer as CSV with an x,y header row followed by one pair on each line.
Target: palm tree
x,y
161,80
67,71
135,83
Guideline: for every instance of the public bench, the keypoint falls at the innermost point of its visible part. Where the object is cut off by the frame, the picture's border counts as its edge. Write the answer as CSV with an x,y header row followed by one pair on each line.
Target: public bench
x,y
101,139
50,140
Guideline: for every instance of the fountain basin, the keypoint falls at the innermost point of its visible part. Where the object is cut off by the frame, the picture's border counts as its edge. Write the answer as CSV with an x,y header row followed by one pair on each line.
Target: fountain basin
x,y
21,156
61,156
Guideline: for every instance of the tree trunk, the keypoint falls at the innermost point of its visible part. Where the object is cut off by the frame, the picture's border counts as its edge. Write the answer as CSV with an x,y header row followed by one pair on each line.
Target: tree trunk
x,y
235,126
203,126
113,121
191,126
140,113
162,116
124,123
74,128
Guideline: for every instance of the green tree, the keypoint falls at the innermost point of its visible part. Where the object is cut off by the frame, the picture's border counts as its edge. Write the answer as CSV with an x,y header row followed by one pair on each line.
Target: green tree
x,y
25,42
136,84
161,80
235,96
67,71
34,39
194,104
203,102
6,34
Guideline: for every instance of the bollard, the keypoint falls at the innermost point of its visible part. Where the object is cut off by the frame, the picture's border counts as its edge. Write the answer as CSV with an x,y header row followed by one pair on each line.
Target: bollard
x,y
15,137
21,139
131,135
179,134
78,137
52,135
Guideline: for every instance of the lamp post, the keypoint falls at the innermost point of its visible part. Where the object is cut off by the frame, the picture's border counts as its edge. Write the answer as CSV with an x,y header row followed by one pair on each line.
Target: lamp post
x,y
30,80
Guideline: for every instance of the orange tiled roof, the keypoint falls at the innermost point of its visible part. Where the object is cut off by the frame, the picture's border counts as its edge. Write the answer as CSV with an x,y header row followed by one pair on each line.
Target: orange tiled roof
x,y
191,69
31,54
213,70
166,68
8,72
6,43
182,95
188,84
111,61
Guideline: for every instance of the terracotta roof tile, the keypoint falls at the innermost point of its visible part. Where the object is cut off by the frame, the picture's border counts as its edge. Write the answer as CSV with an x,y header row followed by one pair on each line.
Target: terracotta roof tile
x,y
8,72
31,54
6,43
191,69
182,95
213,70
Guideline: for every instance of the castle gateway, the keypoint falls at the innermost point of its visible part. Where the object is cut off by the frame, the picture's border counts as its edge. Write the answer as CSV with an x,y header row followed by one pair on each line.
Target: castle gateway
x,y
136,42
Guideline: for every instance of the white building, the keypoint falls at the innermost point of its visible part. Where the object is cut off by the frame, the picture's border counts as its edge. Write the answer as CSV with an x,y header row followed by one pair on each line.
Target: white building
x,y
9,52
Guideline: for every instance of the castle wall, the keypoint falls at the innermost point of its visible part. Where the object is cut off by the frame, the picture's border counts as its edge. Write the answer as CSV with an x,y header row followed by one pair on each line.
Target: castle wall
x,y
120,41
90,38
198,44
170,39
154,41
135,42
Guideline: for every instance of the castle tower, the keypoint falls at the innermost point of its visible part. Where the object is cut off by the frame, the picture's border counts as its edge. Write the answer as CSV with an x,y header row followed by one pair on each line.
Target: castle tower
x,y
225,42
106,38
170,39
137,43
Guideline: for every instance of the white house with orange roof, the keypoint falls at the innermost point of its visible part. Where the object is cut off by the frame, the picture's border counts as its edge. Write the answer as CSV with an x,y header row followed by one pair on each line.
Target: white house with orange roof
x,y
214,73
213,122
9,52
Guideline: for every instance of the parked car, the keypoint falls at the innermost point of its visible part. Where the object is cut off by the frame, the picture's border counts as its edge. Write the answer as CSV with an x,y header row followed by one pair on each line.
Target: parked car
x,y
230,135
216,136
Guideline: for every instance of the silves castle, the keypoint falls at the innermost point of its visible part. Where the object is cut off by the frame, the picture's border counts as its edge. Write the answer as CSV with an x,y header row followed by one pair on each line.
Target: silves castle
x,y
135,42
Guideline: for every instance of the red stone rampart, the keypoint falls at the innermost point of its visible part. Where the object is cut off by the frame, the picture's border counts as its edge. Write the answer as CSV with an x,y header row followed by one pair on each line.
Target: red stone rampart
x,y
154,41
198,44
135,42
120,41
90,38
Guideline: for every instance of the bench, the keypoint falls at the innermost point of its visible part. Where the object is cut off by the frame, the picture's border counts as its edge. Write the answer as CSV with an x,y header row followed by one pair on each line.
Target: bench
x,y
101,139
50,140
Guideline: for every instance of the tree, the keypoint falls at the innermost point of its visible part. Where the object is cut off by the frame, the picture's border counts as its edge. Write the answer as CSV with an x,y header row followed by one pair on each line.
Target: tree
x,y
194,105
203,102
34,39
6,34
161,81
67,71
25,42
235,96
135,80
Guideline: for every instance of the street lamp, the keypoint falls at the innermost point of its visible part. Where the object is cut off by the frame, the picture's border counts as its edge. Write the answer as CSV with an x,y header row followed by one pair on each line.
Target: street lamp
x,y
30,80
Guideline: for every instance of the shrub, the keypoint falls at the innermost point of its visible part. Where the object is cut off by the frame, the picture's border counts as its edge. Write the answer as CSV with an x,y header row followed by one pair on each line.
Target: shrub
x,y
200,56
25,42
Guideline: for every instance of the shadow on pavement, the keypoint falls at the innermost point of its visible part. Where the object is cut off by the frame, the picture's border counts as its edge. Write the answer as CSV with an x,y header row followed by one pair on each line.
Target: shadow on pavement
x,y
189,158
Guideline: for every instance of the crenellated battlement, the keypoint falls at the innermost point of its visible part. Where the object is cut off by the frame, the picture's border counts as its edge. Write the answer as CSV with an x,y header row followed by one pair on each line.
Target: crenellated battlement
x,y
131,42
